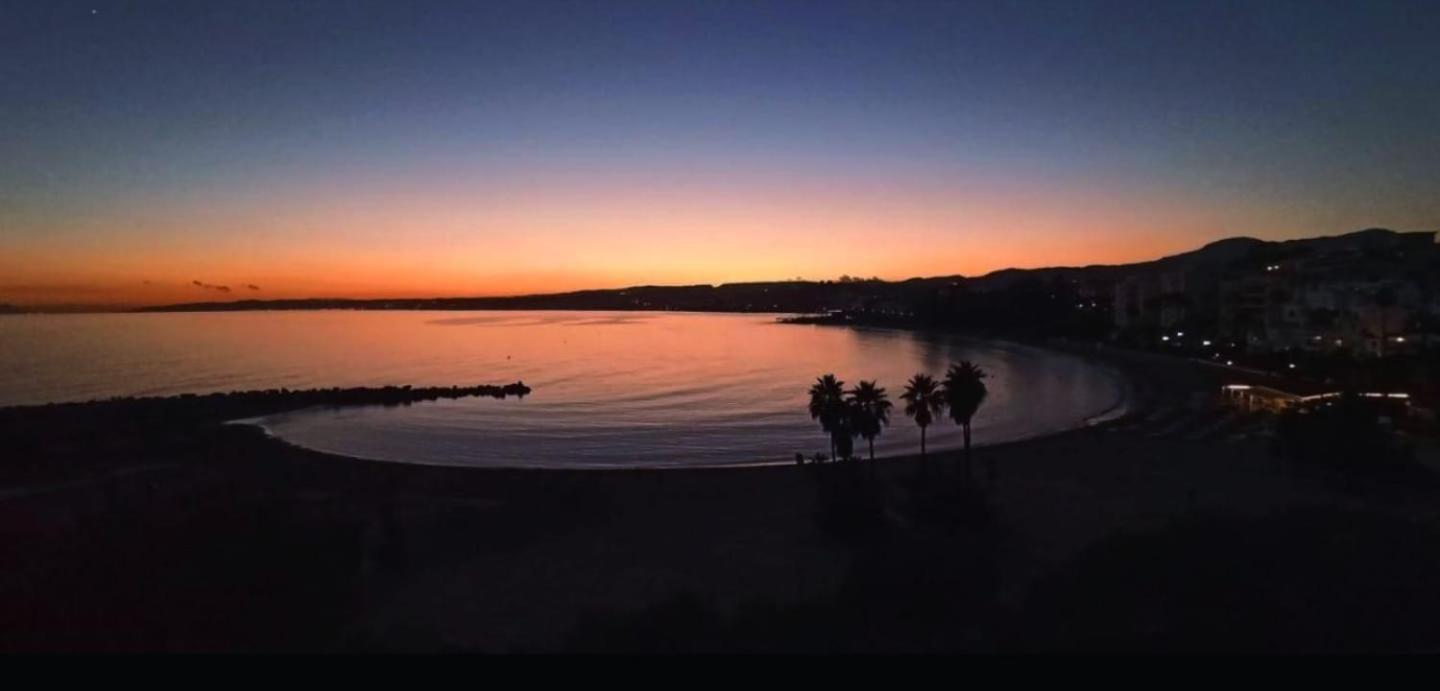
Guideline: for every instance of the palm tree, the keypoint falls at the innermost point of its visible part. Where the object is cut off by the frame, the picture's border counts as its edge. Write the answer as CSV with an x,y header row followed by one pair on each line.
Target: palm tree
x,y
964,391
871,408
843,436
827,404
923,401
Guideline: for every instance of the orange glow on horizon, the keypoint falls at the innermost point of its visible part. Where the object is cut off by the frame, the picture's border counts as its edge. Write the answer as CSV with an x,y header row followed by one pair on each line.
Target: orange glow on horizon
x,y
384,239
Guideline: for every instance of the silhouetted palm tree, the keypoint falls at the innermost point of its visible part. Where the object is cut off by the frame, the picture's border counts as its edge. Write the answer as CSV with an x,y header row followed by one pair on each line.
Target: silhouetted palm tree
x,y
827,404
843,436
964,391
923,401
870,412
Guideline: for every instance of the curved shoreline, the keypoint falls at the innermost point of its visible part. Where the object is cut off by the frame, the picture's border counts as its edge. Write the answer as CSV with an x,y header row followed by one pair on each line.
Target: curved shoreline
x,y
317,533
1122,406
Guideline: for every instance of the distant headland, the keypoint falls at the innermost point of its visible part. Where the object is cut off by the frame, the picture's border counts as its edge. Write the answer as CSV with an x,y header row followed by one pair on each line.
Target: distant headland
x,y
820,297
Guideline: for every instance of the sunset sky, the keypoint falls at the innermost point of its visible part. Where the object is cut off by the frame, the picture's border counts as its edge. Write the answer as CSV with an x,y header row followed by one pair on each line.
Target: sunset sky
x,y
155,151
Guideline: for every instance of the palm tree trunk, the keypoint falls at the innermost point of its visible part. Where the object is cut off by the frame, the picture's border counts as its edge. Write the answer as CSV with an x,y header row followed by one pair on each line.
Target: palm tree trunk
x,y
990,468
967,452
924,461
872,449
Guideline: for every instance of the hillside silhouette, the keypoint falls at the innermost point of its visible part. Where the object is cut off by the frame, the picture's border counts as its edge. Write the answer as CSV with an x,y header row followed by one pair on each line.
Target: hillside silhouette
x,y
801,296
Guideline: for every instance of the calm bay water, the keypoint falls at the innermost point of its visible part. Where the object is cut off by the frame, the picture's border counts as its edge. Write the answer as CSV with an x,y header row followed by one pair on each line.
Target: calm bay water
x,y
610,389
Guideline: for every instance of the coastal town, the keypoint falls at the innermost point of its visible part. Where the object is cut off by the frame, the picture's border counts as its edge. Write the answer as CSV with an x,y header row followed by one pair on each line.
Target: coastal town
x,y
1308,317
859,327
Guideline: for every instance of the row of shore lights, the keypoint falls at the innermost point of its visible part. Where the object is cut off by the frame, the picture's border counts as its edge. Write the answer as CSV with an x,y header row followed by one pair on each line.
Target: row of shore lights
x,y
1206,343
1231,363
1321,396
1181,334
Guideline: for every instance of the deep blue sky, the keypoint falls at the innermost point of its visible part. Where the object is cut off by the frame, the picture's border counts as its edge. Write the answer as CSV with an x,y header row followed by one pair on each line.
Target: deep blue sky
x,y
129,129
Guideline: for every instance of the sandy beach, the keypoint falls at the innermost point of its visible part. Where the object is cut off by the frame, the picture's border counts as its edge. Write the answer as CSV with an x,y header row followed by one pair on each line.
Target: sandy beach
x,y
225,539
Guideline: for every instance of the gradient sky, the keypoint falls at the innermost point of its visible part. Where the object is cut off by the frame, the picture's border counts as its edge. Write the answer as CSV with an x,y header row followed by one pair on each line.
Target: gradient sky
x,y
151,151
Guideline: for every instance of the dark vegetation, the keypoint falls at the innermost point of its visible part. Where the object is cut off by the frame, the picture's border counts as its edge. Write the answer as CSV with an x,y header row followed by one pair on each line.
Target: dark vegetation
x,y
864,411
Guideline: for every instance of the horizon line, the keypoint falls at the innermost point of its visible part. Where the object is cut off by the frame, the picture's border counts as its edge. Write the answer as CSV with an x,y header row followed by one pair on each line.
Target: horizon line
x,y
122,308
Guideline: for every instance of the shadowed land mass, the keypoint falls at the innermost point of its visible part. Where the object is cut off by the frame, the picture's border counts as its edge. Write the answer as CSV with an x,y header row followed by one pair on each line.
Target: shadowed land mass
x,y
181,536
753,257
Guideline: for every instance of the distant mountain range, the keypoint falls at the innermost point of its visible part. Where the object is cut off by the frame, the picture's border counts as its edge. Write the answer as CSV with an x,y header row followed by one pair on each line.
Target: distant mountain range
x,y
820,296
10,309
